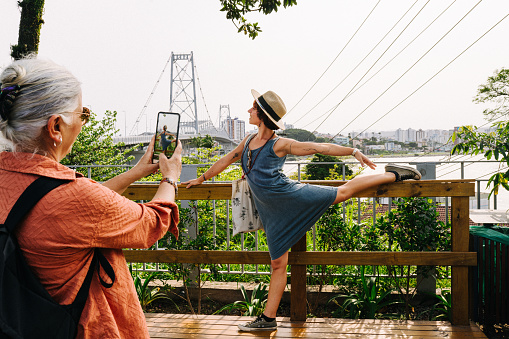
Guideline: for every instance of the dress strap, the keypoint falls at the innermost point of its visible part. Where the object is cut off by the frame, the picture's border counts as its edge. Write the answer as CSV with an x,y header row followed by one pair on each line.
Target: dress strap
x,y
257,154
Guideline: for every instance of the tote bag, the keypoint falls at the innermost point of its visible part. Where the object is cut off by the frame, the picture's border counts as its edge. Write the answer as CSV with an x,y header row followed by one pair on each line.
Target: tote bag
x,y
244,213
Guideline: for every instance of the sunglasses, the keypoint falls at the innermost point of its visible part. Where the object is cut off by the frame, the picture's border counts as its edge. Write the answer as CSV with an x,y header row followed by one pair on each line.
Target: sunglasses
x,y
249,156
84,116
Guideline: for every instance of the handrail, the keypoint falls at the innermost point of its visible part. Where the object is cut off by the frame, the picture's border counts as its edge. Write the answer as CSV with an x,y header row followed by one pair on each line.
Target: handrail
x,y
459,258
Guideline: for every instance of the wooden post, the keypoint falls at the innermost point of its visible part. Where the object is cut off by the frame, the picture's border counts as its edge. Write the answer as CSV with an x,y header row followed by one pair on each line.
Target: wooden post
x,y
298,296
460,241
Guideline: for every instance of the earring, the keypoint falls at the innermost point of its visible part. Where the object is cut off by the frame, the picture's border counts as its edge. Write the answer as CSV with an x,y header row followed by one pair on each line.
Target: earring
x,y
60,140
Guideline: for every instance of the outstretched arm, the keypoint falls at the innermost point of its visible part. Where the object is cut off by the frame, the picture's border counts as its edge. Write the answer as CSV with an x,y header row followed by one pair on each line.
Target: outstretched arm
x,y
218,166
143,168
289,146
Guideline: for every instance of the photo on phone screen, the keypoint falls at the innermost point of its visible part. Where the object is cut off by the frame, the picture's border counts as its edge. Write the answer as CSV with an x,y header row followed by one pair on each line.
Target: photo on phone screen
x,y
167,133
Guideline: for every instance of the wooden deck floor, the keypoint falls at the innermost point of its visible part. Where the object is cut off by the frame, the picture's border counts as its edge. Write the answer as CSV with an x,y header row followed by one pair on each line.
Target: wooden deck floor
x,y
178,326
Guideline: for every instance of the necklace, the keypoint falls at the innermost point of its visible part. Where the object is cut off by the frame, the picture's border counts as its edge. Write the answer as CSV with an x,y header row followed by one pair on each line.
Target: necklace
x,y
250,153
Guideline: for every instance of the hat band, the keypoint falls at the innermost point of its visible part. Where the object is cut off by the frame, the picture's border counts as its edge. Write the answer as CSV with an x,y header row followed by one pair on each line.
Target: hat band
x,y
266,107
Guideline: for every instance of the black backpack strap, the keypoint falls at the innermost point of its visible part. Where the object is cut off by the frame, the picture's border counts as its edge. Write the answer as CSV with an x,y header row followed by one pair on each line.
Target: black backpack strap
x,y
34,192
98,261
105,264
28,199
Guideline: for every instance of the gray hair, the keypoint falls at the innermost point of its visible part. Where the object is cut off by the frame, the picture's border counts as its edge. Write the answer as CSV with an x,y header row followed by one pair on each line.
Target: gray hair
x,y
45,89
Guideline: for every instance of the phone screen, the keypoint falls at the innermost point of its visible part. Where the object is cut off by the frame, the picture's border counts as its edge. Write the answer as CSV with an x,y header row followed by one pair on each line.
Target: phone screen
x,y
167,133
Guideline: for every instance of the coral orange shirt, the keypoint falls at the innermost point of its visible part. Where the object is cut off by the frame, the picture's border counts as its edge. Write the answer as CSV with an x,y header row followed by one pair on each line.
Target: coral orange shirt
x,y
59,235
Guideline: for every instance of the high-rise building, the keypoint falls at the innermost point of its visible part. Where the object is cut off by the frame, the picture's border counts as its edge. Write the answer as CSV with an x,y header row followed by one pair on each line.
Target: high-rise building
x,y
411,135
400,135
235,128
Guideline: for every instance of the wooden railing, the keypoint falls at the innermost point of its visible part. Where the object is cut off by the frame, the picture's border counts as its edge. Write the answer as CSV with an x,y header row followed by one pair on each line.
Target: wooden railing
x,y
459,258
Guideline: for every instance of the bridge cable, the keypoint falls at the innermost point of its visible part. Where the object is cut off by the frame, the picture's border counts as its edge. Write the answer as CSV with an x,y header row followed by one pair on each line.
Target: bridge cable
x,y
150,96
203,98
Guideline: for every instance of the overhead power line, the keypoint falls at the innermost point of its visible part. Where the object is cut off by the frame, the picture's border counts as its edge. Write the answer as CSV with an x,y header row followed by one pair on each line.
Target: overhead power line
x,y
337,56
353,70
404,48
431,78
392,43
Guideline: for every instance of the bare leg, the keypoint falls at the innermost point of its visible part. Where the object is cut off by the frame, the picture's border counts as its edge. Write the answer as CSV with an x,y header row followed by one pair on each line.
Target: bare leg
x,y
277,285
358,184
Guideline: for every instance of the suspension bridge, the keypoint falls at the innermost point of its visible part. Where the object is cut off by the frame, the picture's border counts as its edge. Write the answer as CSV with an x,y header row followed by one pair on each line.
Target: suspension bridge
x,y
183,80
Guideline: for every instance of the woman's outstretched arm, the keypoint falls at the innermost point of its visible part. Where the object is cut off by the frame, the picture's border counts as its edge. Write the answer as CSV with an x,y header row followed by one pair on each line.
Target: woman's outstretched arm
x,y
219,165
286,146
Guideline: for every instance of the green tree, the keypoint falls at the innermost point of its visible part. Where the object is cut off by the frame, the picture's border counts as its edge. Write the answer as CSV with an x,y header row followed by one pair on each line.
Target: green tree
x,y
94,146
236,9
300,134
321,140
321,172
493,144
29,28
495,90
206,142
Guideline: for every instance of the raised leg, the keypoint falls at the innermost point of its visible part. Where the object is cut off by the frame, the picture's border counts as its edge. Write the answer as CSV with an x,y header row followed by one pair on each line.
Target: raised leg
x,y
358,184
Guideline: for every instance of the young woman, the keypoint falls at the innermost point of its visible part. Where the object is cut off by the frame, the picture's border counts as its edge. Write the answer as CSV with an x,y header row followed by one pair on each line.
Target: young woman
x,y
287,208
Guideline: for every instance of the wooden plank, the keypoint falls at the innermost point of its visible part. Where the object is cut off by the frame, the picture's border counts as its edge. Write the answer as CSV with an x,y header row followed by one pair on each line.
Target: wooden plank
x,y
306,258
222,191
459,275
298,295
210,326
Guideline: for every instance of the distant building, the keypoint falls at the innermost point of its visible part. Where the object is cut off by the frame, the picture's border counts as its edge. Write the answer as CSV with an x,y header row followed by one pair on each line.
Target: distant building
x,y
411,135
420,136
375,147
390,146
400,135
235,128
288,126
341,140
357,143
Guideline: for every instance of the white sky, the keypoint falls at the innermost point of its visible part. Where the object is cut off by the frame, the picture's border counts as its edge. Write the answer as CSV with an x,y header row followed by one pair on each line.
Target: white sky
x,y
118,50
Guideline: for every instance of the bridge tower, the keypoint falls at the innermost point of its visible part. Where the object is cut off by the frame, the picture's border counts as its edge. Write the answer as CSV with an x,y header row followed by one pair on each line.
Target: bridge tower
x,y
224,111
183,92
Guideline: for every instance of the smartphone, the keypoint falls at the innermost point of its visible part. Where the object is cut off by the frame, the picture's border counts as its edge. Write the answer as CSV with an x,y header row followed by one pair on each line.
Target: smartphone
x,y
167,134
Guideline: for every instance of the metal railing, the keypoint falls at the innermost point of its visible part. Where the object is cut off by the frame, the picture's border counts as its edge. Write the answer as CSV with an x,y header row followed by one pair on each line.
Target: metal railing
x,y
190,171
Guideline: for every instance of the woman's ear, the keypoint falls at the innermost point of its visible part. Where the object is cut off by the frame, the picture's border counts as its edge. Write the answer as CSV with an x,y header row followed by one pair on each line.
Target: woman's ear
x,y
54,128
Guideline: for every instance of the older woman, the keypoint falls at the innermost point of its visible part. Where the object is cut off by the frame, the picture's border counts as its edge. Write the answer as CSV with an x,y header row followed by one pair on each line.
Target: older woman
x,y
41,114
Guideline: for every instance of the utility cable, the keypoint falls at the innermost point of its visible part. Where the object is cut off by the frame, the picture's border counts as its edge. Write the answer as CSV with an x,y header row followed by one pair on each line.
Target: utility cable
x,y
335,107
496,171
481,126
413,65
404,48
427,81
358,64
337,56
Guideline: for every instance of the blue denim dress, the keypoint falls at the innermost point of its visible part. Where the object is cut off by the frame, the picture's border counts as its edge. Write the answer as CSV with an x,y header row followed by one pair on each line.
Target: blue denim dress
x,y
287,208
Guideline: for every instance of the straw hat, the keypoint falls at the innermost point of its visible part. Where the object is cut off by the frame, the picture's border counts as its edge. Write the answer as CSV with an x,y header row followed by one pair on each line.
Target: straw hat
x,y
272,106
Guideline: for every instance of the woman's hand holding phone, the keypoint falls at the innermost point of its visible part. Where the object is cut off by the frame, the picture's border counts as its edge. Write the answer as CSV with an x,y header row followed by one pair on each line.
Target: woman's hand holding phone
x,y
172,167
